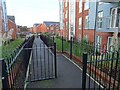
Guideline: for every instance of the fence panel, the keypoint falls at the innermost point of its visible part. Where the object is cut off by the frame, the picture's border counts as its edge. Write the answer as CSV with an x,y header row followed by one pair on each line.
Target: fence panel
x,y
11,68
104,68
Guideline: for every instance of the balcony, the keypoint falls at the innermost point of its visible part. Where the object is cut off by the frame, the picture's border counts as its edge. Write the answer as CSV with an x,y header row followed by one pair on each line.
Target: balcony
x,y
109,24
109,1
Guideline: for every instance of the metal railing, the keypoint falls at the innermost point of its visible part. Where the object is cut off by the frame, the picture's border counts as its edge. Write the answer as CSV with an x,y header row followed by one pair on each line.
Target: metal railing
x,y
13,66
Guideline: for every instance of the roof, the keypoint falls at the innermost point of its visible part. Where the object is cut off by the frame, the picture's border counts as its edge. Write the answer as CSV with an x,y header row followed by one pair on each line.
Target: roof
x,y
36,24
48,23
12,18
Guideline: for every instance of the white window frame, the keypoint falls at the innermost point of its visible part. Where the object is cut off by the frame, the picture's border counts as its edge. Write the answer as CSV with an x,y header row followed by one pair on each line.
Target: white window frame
x,y
86,22
66,3
100,19
114,22
98,40
108,44
80,22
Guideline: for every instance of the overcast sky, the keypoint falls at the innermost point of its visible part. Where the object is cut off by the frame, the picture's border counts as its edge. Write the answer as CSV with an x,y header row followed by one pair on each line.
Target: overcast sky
x,y
28,12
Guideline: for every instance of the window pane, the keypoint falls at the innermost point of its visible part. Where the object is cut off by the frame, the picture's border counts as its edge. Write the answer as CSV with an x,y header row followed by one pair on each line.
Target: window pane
x,y
100,19
80,22
80,5
87,4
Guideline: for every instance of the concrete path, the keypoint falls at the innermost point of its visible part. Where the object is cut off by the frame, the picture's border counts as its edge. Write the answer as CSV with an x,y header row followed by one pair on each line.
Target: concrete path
x,y
69,75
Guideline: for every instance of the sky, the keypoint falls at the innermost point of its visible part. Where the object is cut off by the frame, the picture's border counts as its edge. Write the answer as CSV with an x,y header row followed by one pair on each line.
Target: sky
x,y
28,12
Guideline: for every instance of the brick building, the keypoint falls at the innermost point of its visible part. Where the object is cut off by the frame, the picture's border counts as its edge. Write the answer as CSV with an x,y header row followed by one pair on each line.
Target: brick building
x,y
74,19
93,21
12,30
47,26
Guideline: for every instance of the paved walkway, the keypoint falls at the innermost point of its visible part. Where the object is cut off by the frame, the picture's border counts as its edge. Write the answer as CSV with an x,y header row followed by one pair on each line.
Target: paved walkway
x,y
69,76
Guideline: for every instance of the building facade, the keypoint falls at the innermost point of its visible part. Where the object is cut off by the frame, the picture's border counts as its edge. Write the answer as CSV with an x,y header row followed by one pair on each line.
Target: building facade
x,y
108,23
90,20
12,30
3,21
47,26
75,22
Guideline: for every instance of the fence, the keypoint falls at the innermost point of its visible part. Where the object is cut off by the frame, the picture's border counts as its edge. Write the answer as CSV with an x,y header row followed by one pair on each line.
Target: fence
x,y
100,64
48,40
104,68
11,67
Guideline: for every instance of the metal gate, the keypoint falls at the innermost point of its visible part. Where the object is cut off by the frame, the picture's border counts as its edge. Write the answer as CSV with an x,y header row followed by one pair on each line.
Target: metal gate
x,y
42,64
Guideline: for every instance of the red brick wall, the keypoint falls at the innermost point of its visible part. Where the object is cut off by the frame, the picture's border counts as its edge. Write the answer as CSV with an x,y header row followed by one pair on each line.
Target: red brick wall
x,y
104,37
83,31
43,28
66,28
11,25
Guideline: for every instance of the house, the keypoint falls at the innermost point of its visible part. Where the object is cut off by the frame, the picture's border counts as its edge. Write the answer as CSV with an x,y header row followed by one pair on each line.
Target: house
x,y
12,18
35,27
49,26
12,30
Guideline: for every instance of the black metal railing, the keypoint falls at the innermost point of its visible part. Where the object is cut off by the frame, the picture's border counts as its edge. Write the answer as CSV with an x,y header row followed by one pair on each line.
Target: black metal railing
x,y
14,65
104,68
101,64
48,40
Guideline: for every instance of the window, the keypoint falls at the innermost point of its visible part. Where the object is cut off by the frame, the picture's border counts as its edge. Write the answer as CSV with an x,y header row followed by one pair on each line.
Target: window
x,y
51,28
98,42
66,14
80,22
100,19
80,6
57,28
66,3
86,37
86,22
47,28
109,44
115,16
86,5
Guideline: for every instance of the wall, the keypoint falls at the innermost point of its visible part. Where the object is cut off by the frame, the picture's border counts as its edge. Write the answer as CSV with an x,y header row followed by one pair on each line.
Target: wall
x,y
104,37
12,25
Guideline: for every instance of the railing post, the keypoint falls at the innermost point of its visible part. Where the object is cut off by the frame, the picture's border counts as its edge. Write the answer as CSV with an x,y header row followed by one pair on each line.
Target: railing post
x,y
53,39
71,48
3,75
84,71
62,44
55,60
